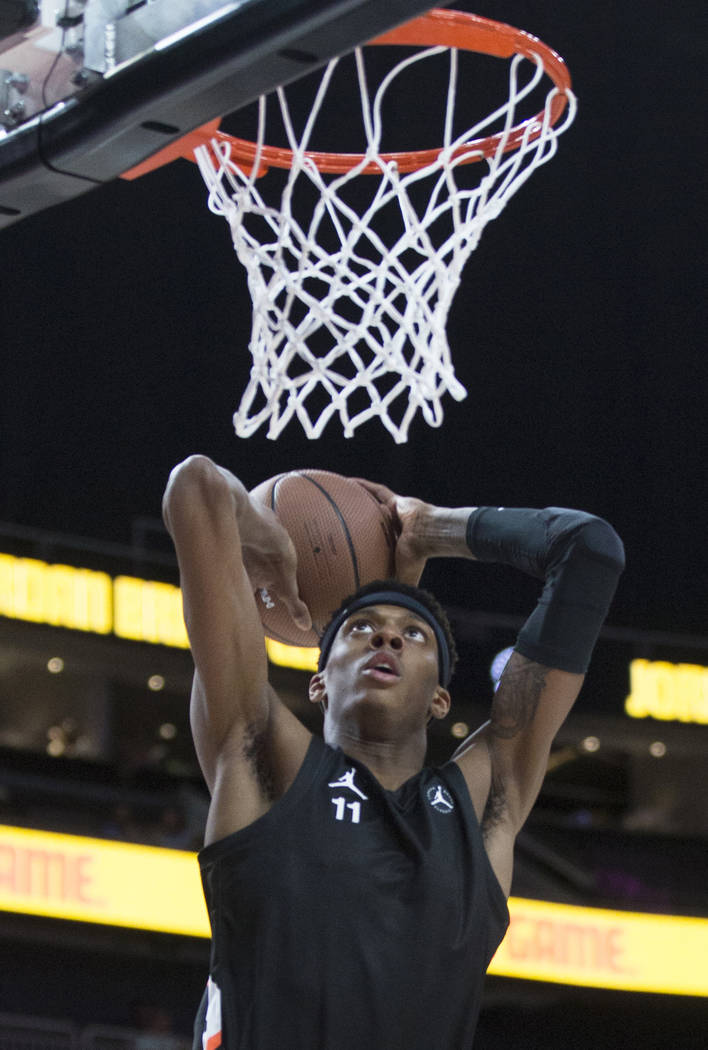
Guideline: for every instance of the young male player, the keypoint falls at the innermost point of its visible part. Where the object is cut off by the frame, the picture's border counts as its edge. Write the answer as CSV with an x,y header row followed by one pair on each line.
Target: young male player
x,y
356,897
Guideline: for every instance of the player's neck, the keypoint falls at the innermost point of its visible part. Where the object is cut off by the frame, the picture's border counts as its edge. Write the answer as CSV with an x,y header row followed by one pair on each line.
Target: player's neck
x,y
392,762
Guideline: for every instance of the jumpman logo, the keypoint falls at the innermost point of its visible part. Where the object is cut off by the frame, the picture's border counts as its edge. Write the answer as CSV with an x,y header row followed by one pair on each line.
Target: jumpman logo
x,y
440,799
347,781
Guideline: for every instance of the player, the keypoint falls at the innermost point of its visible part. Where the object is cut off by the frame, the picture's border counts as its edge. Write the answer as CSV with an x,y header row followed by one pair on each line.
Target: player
x,y
356,897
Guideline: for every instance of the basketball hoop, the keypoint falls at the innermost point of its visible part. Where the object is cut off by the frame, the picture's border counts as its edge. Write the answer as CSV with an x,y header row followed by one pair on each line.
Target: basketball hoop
x,y
350,308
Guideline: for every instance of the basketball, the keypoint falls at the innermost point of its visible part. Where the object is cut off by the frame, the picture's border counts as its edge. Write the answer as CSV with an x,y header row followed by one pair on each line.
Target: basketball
x,y
343,536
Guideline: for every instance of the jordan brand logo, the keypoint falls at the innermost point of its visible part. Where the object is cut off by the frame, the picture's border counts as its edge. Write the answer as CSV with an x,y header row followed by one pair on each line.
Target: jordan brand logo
x,y
347,781
342,808
440,799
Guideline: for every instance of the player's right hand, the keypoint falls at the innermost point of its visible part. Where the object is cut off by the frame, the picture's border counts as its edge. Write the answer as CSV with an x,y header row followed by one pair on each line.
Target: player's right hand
x,y
270,560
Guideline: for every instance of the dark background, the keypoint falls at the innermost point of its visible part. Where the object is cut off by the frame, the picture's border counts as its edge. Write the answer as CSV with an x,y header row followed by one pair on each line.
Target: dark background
x,y
577,331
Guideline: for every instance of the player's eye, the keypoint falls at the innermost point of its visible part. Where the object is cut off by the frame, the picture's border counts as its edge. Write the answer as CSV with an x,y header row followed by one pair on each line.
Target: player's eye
x,y
361,625
413,631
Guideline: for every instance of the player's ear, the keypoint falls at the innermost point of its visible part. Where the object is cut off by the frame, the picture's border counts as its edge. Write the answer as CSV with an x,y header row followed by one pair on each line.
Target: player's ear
x,y
441,702
316,689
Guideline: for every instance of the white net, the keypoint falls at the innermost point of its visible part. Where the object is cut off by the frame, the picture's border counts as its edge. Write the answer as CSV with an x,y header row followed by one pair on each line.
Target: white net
x,y
350,302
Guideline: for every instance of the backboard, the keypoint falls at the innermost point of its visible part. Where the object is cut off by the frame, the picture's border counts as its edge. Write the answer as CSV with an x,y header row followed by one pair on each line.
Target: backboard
x,y
91,88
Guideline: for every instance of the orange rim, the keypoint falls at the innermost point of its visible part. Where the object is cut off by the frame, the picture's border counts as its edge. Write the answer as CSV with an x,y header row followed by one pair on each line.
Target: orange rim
x,y
453,29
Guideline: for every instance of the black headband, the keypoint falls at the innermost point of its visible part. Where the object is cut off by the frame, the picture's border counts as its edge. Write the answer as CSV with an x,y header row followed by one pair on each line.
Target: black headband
x,y
389,598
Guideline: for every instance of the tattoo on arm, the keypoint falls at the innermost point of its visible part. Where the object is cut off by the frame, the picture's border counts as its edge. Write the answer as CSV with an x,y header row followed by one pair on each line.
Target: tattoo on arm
x,y
516,700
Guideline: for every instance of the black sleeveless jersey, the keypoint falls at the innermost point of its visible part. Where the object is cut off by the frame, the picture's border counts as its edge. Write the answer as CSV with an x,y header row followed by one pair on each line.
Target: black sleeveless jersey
x,y
349,917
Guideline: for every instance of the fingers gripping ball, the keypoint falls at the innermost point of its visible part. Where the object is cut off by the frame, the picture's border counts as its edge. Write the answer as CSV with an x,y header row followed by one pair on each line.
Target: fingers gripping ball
x,y
344,538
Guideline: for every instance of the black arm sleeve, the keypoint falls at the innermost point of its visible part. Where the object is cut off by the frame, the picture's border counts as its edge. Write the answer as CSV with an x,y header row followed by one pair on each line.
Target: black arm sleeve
x,y
580,558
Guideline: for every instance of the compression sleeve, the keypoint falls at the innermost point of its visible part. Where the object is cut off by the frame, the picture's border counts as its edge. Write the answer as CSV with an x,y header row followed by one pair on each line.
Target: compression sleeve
x,y
579,556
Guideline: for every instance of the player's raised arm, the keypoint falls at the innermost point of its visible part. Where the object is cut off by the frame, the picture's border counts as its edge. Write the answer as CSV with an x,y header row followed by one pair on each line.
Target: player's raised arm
x,y
227,546
579,557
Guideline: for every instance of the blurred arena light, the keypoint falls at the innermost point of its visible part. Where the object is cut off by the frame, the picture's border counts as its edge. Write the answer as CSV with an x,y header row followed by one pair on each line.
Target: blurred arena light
x,y
56,744
498,664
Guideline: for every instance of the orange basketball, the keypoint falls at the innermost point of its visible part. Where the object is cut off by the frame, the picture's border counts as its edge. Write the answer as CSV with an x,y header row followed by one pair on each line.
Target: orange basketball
x,y
344,538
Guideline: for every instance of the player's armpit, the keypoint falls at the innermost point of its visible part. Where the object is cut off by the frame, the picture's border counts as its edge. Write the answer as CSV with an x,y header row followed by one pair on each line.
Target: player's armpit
x,y
505,761
254,767
529,707
489,798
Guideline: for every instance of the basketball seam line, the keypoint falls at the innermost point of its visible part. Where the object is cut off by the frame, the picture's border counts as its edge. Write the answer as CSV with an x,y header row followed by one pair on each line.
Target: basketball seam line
x,y
338,512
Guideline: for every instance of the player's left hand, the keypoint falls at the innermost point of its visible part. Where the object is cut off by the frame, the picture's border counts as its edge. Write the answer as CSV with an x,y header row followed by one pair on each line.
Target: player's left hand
x,y
409,517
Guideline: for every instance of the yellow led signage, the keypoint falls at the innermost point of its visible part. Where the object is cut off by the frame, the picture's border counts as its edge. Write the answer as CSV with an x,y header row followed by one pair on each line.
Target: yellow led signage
x,y
127,606
83,600
149,612
299,657
120,884
60,595
668,692
597,948
94,880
